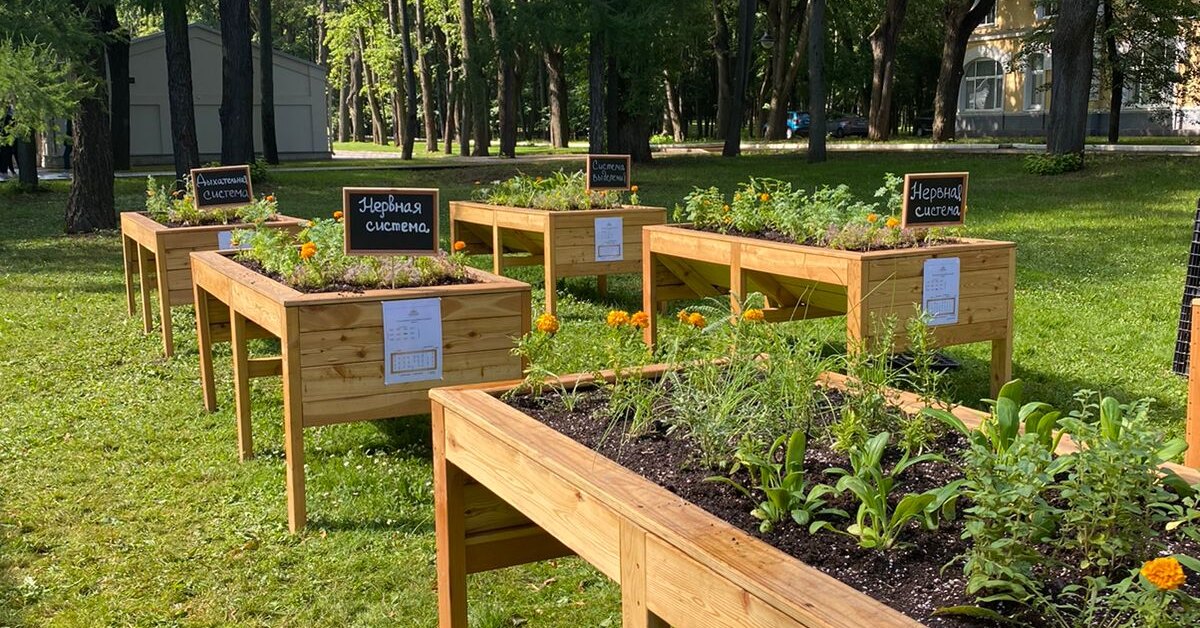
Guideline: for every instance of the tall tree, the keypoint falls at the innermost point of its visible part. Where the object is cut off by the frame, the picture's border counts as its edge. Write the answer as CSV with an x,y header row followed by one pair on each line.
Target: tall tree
x,y
179,87
1071,81
733,137
502,29
117,51
90,204
237,84
597,99
476,90
785,19
724,74
962,17
428,91
816,81
266,78
410,82
1116,85
884,41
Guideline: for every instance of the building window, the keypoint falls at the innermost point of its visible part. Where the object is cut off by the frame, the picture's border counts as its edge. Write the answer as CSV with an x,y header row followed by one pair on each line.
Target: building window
x,y
1045,9
1036,87
983,85
990,18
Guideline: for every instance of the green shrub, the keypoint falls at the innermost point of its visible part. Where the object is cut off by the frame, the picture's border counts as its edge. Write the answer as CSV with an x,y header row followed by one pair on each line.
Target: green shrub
x,y
1049,165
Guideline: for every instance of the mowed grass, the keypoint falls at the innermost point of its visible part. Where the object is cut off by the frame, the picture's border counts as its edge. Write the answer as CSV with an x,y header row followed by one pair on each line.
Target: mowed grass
x,y
122,501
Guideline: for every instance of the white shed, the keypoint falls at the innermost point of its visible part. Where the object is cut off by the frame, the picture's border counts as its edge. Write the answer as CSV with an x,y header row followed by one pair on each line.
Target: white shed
x,y
301,113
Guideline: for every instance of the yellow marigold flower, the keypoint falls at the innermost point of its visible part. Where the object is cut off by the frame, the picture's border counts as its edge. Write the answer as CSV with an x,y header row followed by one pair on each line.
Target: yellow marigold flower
x,y
893,222
727,220
764,197
616,318
696,319
633,189
640,320
459,245
872,218
308,250
1164,573
725,208
337,215
150,193
753,315
547,323
311,223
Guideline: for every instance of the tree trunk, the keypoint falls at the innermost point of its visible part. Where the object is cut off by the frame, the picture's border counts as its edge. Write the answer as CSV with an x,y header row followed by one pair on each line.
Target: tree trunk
x,y
449,103
784,67
398,108
816,81
673,108
884,40
476,99
179,88
506,76
560,124
354,96
377,130
1071,81
410,85
597,101
733,137
117,50
724,79
961,19
344,123
90,205
266,87
25,150
428,92
1116,96
237,92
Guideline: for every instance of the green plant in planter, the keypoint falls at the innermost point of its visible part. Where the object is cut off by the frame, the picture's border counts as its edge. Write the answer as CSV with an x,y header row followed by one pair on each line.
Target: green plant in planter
x,y
1000,431
876,524
559,192
175,207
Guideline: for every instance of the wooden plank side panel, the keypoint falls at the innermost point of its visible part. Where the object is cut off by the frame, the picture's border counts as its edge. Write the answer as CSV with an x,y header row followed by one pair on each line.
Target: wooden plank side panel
x,y
476,213
908,265
333,316
365,344
361,379
572,516
802,263
696,248
972,283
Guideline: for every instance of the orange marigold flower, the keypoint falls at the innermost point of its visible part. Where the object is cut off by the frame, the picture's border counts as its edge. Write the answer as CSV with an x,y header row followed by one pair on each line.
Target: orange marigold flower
x,y
893,222
872,218
633,189
640,320
311,223
308,250
683,316
337,215
459,245
1164,573
270,198
616,318
753,315
696,319
177,193
764,197
547,323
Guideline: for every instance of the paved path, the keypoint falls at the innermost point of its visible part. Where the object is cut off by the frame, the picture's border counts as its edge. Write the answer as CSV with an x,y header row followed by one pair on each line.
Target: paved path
x,y
1000,148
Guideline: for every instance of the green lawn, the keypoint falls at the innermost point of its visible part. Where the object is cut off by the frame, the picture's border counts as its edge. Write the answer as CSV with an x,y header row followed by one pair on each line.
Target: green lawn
x,y
122,501
523,148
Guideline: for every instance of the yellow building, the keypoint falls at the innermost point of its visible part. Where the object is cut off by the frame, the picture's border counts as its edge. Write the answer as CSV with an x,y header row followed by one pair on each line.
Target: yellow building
x,y
1003,94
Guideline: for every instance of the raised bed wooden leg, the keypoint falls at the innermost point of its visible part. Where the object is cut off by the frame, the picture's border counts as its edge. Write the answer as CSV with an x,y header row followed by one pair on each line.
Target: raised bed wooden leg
x,y
602,285
129,256
737,282
204,346
1192,430
1002,349
449,530
143,256
634,613
649,294
241,384
164,303
293,422
549,259
497,252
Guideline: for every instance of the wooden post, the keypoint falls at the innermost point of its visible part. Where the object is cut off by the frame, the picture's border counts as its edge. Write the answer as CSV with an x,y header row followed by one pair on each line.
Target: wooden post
x,y
649,293
129,256
143,256
1191,458
602,285
204,346
548,261
293,422
1002,348
449,530
164,300
634,613
497,249
858,325
737,282
241,384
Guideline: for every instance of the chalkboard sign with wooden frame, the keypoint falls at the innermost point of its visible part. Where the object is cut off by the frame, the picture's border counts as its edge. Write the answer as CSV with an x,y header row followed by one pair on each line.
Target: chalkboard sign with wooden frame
x,y
223,186
390,221
608,172
934,199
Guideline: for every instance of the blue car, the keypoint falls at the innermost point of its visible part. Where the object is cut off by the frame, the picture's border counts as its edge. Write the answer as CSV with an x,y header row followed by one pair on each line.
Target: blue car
x,y
798,124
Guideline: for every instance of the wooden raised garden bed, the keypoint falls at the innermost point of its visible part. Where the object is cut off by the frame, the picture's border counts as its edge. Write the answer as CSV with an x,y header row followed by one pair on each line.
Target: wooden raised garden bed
x,y
510,490
157,256
518,236
803,282
332,349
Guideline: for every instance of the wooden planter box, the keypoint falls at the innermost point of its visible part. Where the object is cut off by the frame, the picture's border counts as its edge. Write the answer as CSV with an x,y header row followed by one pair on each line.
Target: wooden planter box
x,y
158,256
810,282
518,236
332,347
509,490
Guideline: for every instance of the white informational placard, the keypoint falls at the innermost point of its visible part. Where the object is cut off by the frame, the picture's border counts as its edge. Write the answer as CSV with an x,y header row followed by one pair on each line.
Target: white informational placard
x,y
610,240
412,341
225,241
939,300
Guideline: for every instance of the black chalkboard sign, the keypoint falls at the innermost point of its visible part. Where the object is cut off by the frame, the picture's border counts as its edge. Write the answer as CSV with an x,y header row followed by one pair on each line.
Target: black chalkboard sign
x,y
226,186
937,199
608,172
390,221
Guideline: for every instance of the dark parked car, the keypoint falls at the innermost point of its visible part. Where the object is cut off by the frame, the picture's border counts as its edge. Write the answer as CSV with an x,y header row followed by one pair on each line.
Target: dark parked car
x,y
848,126
923,125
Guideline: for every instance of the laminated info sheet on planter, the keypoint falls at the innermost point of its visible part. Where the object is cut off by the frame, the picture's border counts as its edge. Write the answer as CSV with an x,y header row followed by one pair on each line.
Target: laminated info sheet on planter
x,y
412,341
610,241
939,300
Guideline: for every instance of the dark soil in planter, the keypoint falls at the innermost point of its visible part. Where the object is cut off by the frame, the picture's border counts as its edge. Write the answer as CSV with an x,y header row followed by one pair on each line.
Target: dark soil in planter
x,y
775,236
343,287
914,580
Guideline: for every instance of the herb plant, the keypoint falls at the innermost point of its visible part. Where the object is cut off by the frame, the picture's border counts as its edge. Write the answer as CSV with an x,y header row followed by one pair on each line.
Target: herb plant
x,y
558,192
